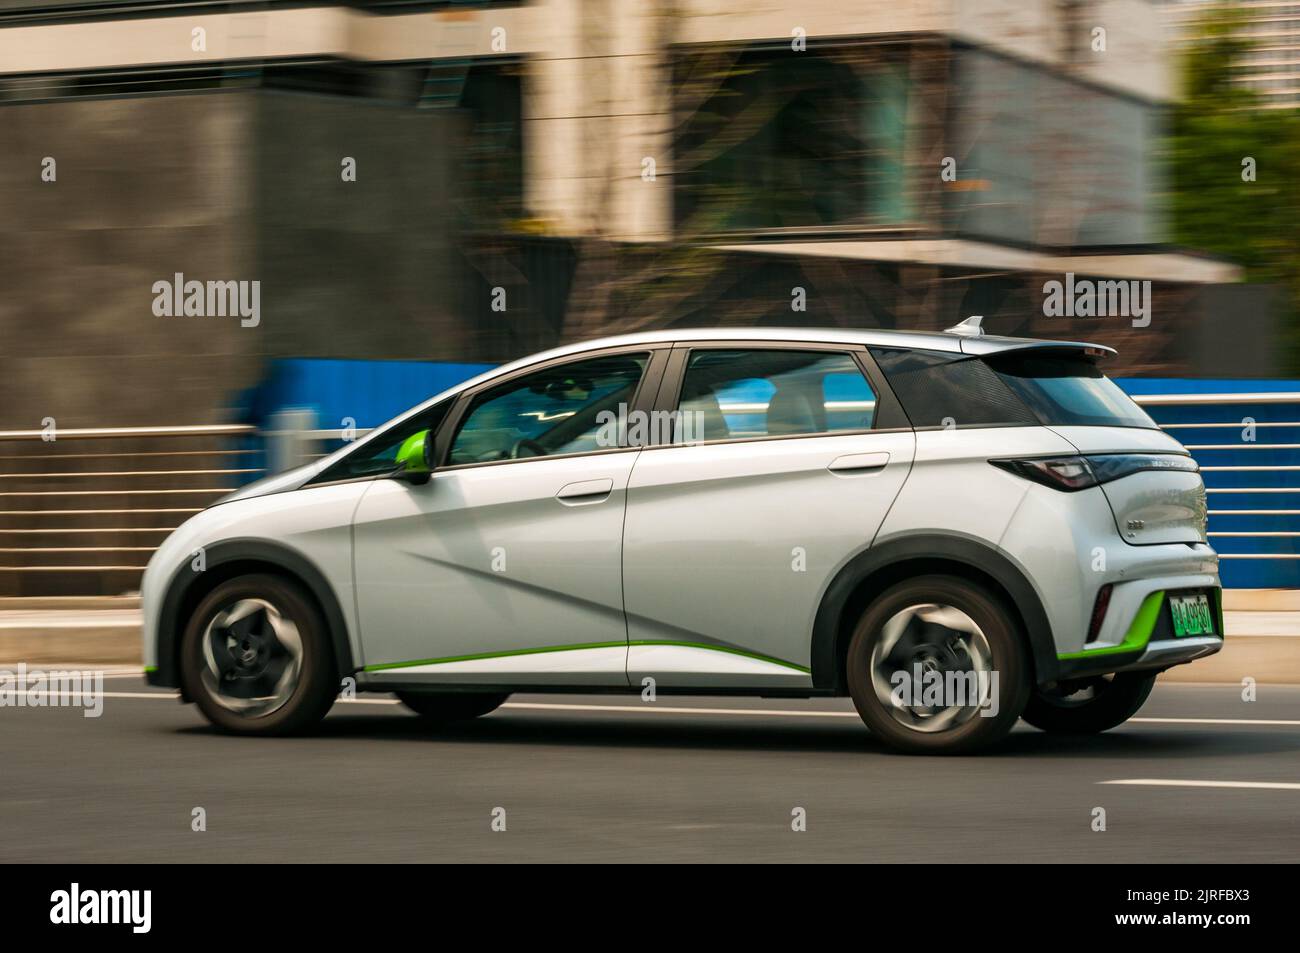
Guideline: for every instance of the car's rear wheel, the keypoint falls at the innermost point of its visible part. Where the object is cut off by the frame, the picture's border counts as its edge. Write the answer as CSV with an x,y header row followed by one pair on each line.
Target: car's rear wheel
x,y
937,665
1088,705
256,657
441,707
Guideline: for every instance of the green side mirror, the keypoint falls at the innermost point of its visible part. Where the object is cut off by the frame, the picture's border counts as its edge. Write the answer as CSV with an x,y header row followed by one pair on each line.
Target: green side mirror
x,y
414,458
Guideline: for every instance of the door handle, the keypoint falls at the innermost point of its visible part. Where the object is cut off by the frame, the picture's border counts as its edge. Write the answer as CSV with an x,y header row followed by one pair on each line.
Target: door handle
x,y
588,491
859,462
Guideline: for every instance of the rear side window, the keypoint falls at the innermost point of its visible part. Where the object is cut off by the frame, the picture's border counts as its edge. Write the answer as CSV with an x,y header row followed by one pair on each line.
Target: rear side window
x,y
1067,389
951,390
737,394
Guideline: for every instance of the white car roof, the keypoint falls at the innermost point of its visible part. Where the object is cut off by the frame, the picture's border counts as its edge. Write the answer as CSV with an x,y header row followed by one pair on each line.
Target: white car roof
x,y
919,340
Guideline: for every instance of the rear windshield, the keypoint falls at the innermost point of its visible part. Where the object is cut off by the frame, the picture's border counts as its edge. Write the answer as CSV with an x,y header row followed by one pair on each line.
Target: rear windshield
x,y
1011,389
1067,389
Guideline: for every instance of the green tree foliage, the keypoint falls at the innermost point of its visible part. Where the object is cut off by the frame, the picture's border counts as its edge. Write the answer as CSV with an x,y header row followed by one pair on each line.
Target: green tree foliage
x,y
1216,127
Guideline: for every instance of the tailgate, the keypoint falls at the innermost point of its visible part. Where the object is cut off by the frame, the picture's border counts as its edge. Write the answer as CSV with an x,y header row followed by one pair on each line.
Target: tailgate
x,y
1150,506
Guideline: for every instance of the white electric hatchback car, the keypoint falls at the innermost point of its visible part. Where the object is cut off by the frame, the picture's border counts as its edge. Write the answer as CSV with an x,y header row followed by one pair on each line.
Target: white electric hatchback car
x,y
956,530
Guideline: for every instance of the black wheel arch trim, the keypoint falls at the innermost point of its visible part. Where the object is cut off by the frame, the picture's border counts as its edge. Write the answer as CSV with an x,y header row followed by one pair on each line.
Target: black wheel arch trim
x,y
170,625
977,555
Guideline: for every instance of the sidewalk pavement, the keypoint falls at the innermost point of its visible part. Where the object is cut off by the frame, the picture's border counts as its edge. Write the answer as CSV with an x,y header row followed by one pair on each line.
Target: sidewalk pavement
x,y
1262,643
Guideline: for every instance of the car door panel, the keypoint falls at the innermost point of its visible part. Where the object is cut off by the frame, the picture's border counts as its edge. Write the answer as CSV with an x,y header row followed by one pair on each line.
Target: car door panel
x,y
484,573
727,549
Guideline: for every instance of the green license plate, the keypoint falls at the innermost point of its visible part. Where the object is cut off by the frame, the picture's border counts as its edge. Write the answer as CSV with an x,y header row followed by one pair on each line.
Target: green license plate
x,y
1191,615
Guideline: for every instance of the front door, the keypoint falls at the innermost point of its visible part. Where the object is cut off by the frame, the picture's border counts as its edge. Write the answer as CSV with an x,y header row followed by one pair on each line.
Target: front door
x,y
505,567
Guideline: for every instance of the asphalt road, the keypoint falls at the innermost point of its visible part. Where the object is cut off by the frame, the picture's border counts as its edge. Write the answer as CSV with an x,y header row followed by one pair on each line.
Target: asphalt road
x,y
581,782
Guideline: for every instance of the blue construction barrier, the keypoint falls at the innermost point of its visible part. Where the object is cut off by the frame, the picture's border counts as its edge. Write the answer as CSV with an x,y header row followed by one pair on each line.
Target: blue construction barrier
x,y
341,394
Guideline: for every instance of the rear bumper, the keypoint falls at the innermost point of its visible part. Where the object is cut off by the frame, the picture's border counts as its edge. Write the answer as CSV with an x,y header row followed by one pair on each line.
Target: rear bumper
x,y
1149,643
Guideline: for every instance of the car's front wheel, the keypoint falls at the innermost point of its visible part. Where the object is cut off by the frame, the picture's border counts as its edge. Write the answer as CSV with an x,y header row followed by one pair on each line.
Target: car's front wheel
x,y
1087,706
256,657
937,665
440,707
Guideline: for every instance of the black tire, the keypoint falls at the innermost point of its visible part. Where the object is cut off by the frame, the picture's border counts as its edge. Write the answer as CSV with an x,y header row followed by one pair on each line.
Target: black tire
x,y
444,707
1089,706
316,685
1006,646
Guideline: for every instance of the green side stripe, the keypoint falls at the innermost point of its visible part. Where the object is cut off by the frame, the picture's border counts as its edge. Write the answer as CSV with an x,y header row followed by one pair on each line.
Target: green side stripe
x,y
1139,632
586,645
151,668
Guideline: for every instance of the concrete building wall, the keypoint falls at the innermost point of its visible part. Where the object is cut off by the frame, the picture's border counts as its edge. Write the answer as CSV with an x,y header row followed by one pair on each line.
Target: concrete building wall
x,y
145,188
238,186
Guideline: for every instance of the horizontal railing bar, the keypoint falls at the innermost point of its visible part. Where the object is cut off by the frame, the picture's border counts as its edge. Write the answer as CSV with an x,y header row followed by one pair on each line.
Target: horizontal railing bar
x,y
1259,555
1261,489
1174,400
193,509
219,489
105,529
1246,469
335,434
1241,446
219,452
125,473
114,433
72,568
78,549
1270,533
1253,512
1231,423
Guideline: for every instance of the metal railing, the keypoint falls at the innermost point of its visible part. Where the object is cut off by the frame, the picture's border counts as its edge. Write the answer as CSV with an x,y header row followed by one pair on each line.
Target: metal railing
x,y
1252,483
81,510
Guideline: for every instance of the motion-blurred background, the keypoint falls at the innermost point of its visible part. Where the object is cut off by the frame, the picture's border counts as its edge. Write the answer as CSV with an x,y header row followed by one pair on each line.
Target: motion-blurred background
x,y
426,189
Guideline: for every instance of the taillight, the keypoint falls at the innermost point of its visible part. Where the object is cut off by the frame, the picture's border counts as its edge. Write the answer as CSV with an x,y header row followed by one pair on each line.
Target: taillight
x,y
1098,613
1078,473
1112,466
1060,473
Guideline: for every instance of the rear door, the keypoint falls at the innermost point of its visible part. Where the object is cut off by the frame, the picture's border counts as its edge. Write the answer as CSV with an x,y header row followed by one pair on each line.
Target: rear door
x,y
777,471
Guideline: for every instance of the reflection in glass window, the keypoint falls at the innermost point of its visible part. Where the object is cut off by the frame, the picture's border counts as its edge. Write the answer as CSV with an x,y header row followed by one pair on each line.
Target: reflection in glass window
x,y
735,394
563,409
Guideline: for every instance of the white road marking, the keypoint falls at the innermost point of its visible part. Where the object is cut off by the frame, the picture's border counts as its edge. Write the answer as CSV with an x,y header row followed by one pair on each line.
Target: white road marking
x,y
1165,783
683,710
1215,721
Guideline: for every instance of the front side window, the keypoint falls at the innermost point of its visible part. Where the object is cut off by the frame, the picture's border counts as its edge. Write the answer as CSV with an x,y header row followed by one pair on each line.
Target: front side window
x,y
378,456
569,408
737,394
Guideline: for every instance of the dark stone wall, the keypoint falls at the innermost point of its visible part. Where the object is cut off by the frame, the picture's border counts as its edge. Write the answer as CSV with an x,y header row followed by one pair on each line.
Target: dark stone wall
x,y
242,185
145,188
363,269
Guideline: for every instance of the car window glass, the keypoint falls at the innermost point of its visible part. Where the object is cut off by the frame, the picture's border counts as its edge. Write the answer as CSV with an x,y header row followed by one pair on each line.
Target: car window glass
x,y
379,455
570,408
731,394
951,391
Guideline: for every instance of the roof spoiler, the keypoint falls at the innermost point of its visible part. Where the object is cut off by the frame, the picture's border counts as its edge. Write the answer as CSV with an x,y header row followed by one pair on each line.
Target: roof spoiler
x,y
979,342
